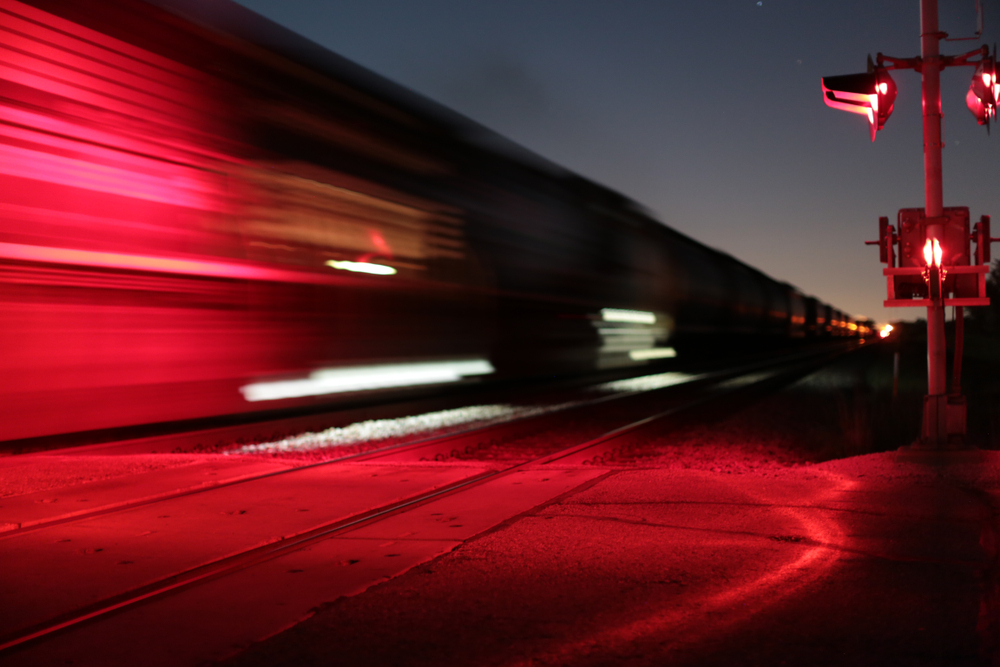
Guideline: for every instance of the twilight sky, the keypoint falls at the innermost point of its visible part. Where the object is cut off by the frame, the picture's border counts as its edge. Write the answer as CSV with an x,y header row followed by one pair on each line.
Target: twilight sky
x,y
708,113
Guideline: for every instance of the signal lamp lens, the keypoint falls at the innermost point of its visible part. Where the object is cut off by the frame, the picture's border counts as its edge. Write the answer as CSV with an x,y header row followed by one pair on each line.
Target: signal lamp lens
x,y
883,88
928,253
938,253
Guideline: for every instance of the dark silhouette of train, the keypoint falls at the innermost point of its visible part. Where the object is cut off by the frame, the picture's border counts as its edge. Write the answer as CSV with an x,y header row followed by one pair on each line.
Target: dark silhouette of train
x,y
205,214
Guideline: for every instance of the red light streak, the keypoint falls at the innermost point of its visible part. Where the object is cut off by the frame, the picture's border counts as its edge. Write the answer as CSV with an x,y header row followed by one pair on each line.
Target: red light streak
x,y
58,30
110,260
161,182
169,148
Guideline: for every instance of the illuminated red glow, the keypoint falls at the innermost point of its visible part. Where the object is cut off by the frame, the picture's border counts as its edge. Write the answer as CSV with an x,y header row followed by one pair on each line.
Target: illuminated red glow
x,y
871,94
933,253
744,594
156,264
983,94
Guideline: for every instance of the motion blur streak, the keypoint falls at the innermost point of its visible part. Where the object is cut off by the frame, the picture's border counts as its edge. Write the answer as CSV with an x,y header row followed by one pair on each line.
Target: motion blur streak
x,y
362,267
380,429
199,209
622,315
366,378
653,353
110,260
139,178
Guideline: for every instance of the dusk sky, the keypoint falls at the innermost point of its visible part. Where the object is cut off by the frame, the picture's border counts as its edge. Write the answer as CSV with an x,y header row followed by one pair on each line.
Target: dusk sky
x,y
708,113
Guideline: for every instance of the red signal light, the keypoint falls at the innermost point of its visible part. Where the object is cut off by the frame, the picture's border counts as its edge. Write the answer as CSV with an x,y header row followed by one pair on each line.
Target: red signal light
x,y
872,94
984,93
933,253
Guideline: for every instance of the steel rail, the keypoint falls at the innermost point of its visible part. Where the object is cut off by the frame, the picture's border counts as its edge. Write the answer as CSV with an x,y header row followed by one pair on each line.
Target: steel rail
x,y
237,562
432,443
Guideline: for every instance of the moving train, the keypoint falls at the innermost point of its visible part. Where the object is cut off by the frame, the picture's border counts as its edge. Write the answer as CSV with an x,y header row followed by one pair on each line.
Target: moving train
x,y
205,214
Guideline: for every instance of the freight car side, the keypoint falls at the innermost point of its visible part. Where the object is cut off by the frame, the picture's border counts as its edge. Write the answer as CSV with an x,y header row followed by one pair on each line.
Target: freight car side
x,y
201,222
161,262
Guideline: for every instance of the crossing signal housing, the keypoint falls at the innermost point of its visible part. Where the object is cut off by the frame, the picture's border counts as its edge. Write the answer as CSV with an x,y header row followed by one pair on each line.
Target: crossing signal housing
x,y
871,93
984,91
922,267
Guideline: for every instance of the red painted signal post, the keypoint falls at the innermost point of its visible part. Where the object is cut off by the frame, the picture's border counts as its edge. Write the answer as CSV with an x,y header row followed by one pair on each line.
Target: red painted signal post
x,y
927,251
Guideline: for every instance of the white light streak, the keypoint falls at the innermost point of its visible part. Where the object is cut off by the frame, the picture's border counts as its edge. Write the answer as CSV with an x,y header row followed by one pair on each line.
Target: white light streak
x,y
382,429
362,267
652,353
365,378
648,382
624,315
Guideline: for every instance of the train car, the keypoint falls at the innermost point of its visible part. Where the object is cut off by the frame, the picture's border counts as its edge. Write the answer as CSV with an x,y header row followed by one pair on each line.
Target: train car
x,y
798,313
205,214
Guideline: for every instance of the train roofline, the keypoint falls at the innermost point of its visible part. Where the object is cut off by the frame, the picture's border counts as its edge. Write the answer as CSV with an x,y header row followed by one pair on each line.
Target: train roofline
x,y
231,18
238,21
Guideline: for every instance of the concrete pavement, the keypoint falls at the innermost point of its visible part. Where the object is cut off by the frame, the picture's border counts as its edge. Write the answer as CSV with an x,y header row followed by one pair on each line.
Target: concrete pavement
x,y
884,559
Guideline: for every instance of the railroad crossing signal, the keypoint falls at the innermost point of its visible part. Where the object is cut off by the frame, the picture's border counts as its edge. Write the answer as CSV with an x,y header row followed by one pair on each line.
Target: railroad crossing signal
x,y
921,268
984,91
872,93
927,251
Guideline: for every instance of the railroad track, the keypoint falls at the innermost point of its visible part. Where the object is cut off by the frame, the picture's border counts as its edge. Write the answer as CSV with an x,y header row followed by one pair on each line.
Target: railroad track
x,y
467,442
276,530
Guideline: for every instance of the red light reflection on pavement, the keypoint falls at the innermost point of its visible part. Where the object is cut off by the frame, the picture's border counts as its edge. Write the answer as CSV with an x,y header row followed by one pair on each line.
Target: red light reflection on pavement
x,y
821,539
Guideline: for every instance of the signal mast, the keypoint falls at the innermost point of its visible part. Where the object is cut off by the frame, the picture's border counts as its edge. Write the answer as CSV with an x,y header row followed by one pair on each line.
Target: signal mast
x,y
927,251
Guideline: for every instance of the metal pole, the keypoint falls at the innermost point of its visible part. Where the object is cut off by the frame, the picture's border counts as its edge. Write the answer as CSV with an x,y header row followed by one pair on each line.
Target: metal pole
x,y
934,427
956,369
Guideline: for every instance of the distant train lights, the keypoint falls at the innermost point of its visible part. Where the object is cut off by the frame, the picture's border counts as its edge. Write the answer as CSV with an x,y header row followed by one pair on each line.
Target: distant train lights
x,y
886,330
872,94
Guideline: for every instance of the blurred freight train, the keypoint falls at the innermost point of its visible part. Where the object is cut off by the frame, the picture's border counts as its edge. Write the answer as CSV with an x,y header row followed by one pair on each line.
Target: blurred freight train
x,y
204,214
